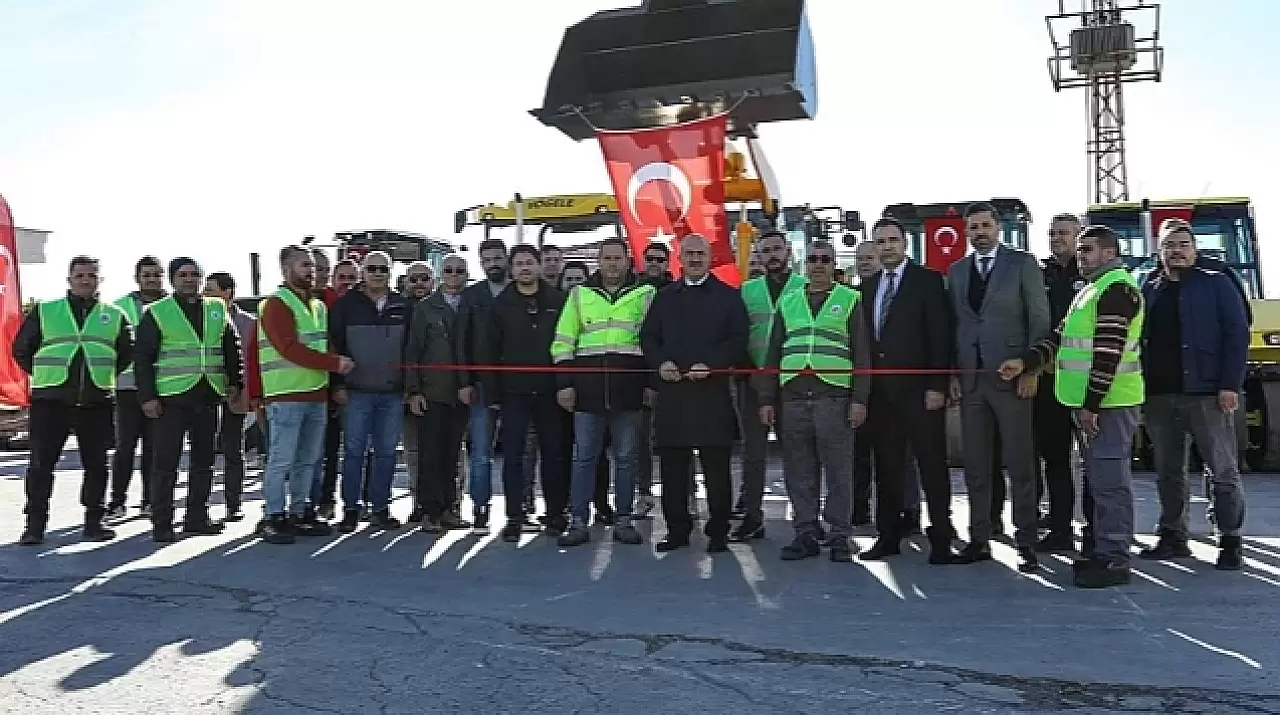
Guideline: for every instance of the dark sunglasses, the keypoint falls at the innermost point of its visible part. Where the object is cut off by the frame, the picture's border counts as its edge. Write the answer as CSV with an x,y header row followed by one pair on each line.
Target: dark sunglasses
x,y
454,271
825,260
378,269
419,279
655,259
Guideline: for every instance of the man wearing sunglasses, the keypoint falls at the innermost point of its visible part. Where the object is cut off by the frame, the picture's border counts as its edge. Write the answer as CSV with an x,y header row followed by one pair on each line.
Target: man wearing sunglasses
x,y
656,259
369,324
418,283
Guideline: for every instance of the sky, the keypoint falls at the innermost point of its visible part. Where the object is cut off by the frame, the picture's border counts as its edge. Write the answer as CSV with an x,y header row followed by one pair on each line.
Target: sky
x,y
213,128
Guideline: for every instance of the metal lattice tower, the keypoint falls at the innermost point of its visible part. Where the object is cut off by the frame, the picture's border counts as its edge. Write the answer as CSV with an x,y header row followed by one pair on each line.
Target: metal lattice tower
x,y
1105,51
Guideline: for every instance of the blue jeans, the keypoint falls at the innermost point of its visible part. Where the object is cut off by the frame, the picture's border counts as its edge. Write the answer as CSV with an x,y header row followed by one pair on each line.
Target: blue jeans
x,y
588,443
377,418
295,443
480,428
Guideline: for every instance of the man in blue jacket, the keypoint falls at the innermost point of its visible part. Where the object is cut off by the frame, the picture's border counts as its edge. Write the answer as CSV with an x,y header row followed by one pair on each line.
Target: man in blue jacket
x,y
1194,348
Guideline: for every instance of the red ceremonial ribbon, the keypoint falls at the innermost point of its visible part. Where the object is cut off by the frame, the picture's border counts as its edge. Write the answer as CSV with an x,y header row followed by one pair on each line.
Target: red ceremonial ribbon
x,y
570,369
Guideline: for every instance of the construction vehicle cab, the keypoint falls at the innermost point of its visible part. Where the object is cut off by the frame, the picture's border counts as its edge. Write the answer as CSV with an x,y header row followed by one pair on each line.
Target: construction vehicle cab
x,y
403,247
940,227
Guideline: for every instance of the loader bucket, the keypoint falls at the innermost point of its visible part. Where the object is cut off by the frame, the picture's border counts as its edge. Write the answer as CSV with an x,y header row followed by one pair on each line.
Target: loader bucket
x,y
671,60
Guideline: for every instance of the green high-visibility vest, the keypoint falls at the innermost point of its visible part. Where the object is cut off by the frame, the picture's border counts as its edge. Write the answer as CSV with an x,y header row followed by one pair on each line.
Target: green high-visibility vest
x,y
820,342
279,376
185,357
760,311
1075,353
63,338
591,325
132,308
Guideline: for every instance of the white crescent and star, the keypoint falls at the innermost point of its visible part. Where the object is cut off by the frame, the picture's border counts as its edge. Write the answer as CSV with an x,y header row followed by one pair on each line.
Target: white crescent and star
x,y
660,171
939,232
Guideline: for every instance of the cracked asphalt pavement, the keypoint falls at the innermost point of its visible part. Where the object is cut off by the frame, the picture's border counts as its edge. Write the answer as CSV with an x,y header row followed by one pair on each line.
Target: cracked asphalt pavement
x,y
402,622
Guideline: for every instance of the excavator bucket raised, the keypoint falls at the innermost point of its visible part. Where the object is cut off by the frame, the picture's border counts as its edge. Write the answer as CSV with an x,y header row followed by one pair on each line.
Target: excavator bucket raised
x,y
668,61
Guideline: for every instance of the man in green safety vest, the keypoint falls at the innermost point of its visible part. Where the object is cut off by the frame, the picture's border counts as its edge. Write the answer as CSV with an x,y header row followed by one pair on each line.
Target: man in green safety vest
x,y
599,328
761,295
819,328
72,348
131,424
188,362
1098,374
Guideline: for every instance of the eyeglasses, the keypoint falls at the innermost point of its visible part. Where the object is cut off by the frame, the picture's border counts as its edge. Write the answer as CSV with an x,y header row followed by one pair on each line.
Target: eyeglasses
x,y
151,275
824,260
655,259
453,271
419,279
377,269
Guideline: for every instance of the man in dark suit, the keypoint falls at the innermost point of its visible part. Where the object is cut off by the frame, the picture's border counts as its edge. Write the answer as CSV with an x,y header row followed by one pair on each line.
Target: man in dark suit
x,y
907,307
998,298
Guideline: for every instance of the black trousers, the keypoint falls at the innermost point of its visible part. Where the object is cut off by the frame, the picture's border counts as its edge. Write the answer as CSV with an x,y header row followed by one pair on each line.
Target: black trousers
x,y
50,424
863,473
547,418
231,437
903,426
1054,431
131,427
676,465
332,457
198,423
440,433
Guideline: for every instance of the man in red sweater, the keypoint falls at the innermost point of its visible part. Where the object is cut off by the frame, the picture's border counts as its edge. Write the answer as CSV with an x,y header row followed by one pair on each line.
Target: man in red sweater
x,y
292,360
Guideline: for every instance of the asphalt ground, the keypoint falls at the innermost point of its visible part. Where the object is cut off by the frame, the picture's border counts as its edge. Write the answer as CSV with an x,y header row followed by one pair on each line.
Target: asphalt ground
x,y
403,622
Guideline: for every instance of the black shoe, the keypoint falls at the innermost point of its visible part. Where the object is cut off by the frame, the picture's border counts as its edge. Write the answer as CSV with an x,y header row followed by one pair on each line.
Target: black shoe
x,y
1087,543
997,529
717,545
842,553
1027,560
416,516
940,553
671,543
1230,554
277,530
1101,574
511,532
1055,541
604,516
557,525
1043,522
234,514
911,523
366,514
310,525
350,521
382,519
32,536
203,527
480,517
97,532
450,521
749,529
801,547
973,553
884,547
1169,547
164,535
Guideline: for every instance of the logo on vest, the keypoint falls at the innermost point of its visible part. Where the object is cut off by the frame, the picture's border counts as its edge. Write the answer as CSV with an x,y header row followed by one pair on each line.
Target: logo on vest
x,y
836,309
105,318
216,315
1077,285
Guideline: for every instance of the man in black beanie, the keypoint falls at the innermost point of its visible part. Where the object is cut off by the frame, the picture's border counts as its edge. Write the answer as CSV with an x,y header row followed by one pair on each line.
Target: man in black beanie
x,y
187,362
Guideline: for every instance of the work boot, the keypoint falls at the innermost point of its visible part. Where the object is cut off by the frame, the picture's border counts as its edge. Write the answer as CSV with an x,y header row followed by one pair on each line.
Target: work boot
x,y
625,532
1100,574
750,528
803,546
1170,546
1230,553
577,535
940,553
277,530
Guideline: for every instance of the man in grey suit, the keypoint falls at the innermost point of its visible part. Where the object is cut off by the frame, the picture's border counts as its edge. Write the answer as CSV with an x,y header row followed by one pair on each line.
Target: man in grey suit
x,y
997,293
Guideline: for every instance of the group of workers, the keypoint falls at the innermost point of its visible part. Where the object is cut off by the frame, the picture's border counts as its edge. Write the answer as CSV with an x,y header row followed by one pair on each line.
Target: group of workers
x,y
854,380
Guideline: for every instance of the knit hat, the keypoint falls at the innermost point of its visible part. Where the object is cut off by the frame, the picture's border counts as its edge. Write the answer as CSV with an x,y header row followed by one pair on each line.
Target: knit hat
x,y
176,265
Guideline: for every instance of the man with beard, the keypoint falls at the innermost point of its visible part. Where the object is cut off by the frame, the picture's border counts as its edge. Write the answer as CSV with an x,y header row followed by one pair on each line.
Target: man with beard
x,y
294,359
72,348
473,316
520,328
761,296
346,273
188,362
433,399
600,328
419,284
656,260
131,424
231,413
1001,310
696,326
1053,427
1097,372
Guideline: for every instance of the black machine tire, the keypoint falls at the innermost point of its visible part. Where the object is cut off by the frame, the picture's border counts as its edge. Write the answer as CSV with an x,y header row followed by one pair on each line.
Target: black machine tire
x,y
1262,419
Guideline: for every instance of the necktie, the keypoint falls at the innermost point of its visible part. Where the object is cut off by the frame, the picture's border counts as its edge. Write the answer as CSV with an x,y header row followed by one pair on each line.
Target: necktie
x,y
889,290
985,266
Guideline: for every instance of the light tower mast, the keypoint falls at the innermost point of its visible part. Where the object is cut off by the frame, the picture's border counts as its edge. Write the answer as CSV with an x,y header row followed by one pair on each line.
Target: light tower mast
x,y
1105,52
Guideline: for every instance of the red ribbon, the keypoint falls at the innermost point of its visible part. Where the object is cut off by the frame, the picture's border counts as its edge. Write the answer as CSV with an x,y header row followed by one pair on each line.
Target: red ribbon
x,y
572,369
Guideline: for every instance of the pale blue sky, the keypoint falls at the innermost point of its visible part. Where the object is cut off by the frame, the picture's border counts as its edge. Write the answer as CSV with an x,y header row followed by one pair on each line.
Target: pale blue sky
x,y
215,127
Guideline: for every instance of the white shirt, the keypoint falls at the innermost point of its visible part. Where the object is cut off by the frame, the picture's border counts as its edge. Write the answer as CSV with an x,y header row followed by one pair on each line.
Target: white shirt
x,y
690,282
978,256
882,290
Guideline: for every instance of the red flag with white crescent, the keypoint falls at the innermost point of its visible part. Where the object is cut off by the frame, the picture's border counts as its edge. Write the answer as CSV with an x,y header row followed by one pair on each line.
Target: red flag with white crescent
x,y
13,381
669,182
944,242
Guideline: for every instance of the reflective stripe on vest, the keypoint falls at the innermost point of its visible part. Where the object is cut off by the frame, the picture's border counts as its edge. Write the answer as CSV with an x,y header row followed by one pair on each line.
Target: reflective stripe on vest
x,y
62,338
279,376
185,357
819,342
591,325
1075,352
760,311
132,308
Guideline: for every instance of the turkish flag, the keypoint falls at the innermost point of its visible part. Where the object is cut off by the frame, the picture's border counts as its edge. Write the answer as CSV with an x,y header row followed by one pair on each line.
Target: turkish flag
x,y
944,242
13,381
669,182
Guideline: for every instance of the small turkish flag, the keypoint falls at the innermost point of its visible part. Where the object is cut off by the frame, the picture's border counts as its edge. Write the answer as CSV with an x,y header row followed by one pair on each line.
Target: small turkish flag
x,y
944,242
669,182
13,381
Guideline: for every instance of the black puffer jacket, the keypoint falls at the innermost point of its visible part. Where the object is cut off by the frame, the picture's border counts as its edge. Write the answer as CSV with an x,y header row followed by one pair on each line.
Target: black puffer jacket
x,y
519,331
